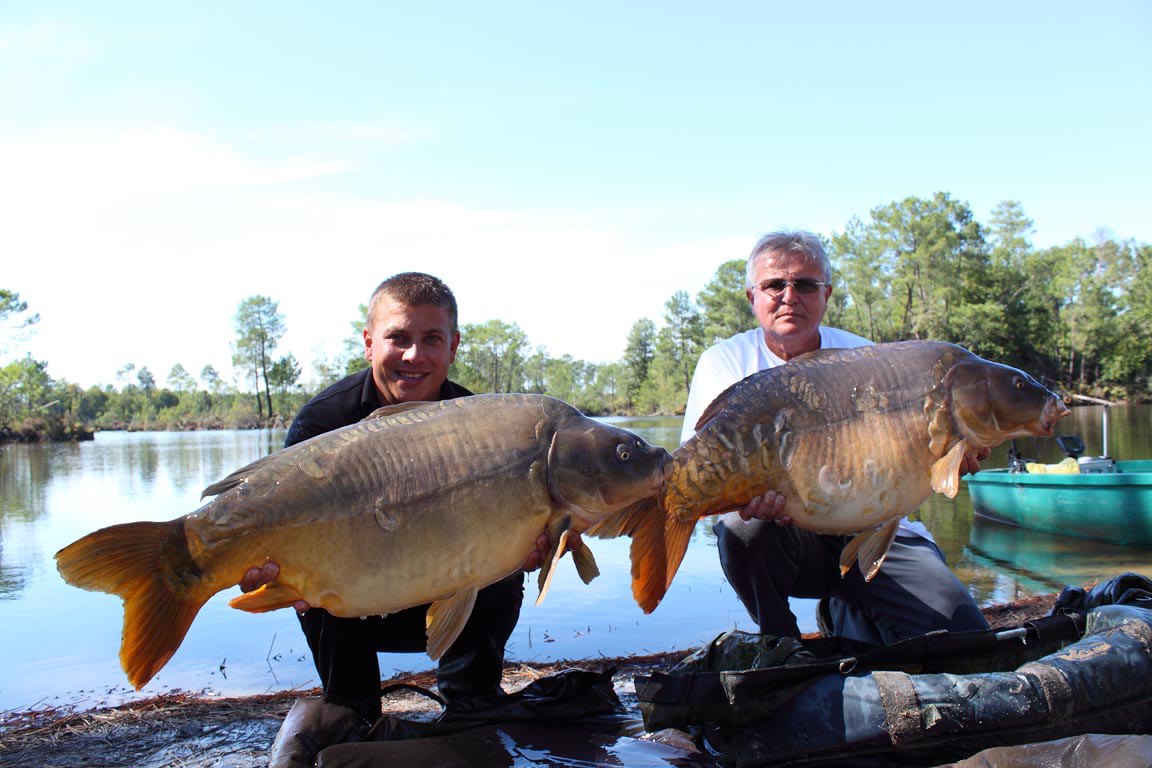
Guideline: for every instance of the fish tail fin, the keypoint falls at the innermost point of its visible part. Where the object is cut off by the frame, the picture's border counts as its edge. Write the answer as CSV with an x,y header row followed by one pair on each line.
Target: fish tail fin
x,y
677,534
648,553
658,544
137,562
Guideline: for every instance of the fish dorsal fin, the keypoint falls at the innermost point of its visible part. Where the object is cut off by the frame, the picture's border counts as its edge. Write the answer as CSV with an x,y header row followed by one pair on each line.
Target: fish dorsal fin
x,y
237,477
721,399
869,549
715,406
446,619
391,410
946,470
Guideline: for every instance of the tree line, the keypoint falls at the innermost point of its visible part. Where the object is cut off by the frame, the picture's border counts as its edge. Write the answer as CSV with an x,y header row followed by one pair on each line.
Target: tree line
x,y
1078,316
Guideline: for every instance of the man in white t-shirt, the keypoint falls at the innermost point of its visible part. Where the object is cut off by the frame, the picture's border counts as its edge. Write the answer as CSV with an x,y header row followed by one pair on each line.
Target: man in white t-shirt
x,y
765,558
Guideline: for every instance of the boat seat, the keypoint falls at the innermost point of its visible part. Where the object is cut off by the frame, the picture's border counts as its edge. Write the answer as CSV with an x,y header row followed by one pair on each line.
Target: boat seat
x,y
1067,467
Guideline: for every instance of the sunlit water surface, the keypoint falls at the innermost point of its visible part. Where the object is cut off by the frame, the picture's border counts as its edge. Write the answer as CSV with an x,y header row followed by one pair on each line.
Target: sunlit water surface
x,y
60,644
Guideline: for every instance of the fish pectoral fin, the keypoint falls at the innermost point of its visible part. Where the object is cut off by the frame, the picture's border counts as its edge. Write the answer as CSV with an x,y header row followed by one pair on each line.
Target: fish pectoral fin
x,y
269,597
446,619
585,563
548,570
946,470
869,549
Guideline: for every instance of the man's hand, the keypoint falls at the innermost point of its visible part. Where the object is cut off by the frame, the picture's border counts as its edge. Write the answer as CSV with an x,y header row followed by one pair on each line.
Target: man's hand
x,y
769,506
258,577
544,546
972,461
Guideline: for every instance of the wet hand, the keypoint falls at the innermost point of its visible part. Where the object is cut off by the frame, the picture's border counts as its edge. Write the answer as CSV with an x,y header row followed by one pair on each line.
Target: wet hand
x,y
544,545
769,506
258,577
972,461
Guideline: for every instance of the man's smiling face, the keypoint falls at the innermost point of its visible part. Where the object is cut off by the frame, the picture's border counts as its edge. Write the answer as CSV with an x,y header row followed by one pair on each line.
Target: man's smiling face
x,y
410,348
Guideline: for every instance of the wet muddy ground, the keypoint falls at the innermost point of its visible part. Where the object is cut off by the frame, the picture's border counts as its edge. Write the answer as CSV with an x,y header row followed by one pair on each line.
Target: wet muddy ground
x,y
183,730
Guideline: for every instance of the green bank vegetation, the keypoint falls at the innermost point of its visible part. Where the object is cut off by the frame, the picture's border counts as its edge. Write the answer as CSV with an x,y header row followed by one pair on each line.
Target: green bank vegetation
x,y
1078,316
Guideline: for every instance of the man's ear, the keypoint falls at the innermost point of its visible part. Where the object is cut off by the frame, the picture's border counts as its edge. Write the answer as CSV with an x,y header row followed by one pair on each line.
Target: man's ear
x,y
367,344
455,344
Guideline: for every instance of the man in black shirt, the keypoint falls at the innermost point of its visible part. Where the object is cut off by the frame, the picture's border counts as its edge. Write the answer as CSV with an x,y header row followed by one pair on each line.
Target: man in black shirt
x,y
411,340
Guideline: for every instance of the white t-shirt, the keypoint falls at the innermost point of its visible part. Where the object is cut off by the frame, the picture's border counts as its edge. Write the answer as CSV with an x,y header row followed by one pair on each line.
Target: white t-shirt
x,y
728,361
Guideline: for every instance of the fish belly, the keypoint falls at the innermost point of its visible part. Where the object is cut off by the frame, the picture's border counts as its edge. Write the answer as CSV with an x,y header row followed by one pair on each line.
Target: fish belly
x,y
374,564
848,475
858,475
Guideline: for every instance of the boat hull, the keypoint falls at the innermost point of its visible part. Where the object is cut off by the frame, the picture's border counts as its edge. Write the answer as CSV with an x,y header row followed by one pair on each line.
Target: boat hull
x,y
1113,507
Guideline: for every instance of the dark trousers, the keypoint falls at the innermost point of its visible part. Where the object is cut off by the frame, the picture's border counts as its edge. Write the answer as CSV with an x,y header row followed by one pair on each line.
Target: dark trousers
x,y
344,650
913,593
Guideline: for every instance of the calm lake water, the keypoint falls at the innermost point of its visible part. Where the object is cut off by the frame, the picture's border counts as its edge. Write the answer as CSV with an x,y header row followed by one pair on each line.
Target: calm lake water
x,y
61,644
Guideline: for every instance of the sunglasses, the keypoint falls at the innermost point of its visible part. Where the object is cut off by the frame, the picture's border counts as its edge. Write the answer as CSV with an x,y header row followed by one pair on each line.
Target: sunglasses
x,y
804,286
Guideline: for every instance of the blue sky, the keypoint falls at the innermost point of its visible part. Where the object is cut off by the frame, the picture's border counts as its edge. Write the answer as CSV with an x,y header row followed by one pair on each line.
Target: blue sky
x,y
566,167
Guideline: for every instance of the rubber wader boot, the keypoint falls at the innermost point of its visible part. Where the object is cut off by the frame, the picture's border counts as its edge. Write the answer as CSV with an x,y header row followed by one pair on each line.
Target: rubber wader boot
x,y
311,725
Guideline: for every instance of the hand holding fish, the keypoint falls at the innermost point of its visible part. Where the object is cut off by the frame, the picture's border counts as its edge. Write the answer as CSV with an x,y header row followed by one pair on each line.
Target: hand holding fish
x,y
258,577
972,459
767,506
539,556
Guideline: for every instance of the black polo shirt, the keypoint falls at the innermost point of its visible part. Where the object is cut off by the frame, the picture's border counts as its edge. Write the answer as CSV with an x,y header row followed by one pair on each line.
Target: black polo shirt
x,y
347,402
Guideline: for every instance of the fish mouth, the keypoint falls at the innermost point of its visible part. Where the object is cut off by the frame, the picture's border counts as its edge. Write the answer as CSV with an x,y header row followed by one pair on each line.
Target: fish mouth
x,y
1054,410
665,474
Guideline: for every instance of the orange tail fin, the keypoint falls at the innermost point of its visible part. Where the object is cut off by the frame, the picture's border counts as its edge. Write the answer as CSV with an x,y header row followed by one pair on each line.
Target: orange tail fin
x,y
658,546
140,562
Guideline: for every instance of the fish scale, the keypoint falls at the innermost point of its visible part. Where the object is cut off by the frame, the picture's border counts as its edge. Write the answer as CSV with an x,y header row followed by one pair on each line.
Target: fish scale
x,y
853,439
420,503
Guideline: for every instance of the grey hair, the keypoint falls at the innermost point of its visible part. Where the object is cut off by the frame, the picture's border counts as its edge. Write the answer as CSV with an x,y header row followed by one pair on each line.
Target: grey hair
x,y
803,243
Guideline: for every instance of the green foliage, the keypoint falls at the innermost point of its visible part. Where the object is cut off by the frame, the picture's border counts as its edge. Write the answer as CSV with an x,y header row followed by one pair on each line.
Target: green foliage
x,y
1078,315
678,345
491,357
638,355
14,317
724,303
26,391
259,326
180,380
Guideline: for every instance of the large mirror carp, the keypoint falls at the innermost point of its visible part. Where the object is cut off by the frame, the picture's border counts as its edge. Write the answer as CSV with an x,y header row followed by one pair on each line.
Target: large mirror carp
x,y
854,439
419,503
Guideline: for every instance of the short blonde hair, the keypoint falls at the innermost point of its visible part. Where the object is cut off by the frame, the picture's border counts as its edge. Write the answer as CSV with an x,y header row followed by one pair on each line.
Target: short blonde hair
x,y
413,289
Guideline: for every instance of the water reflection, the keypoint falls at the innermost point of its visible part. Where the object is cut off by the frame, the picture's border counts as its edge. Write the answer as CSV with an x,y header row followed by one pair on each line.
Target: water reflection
x,y
1043,562
52,494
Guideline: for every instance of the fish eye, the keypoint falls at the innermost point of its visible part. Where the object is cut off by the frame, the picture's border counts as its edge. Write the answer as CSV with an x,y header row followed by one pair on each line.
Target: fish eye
x,y
623,452
1018,382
